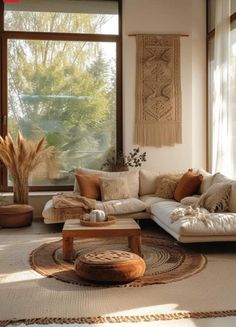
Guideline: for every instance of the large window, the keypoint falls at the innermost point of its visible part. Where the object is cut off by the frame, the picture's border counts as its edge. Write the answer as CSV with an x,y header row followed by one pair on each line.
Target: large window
x,y
61,79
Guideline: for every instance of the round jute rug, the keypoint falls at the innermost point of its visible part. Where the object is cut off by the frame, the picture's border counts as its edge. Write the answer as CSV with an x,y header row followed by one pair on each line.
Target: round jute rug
x,y
166,260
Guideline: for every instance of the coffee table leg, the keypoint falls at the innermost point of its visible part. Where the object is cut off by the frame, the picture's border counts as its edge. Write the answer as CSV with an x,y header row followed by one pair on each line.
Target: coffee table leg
x,y
67,248
135,244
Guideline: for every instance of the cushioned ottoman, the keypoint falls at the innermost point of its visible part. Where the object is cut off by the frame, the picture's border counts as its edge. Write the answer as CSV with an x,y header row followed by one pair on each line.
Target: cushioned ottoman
x,y
110,266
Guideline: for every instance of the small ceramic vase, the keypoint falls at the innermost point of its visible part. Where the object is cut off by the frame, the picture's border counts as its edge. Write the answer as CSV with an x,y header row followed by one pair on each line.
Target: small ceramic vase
x,y
97,215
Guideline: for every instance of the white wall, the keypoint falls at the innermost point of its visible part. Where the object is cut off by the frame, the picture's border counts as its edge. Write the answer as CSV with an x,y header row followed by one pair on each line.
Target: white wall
x,y
170,17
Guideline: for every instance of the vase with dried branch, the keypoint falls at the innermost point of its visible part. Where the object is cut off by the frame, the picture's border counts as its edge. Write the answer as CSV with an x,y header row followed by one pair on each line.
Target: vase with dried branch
x,y
21,159
122,162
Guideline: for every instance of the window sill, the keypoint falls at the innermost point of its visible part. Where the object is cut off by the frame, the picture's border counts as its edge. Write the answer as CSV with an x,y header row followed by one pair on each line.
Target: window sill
x,y
35,194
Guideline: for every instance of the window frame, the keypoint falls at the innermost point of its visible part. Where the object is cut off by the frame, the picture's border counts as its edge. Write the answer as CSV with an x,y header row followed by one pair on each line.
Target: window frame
x,y
55,36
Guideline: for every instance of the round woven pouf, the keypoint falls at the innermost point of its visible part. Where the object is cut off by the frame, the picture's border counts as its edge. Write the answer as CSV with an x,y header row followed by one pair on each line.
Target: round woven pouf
x,y
16,215
111,266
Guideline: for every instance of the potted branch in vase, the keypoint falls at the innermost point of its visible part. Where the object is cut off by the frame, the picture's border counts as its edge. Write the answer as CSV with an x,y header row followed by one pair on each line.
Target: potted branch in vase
x,y
21,159
123,162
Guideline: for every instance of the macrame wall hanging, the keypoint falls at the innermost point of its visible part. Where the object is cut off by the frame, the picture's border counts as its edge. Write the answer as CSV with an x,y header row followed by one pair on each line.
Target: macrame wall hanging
x,y
158,91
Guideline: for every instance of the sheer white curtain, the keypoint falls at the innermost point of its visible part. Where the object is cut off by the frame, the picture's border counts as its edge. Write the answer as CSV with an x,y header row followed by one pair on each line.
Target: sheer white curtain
x,y
221,122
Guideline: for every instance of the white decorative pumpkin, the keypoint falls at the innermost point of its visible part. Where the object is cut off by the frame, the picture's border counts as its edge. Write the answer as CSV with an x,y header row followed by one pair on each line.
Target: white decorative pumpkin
x,y
97,215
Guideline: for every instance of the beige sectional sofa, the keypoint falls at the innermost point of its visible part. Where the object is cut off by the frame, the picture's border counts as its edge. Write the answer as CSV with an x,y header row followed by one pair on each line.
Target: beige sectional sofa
x,y
144,204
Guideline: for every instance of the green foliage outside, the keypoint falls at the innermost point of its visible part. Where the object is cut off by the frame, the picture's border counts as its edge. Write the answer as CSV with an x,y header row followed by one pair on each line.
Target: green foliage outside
x,y
65,91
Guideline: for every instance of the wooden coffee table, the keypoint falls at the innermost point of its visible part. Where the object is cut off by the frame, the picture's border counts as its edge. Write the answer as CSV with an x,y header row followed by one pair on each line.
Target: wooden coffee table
x,y
123,227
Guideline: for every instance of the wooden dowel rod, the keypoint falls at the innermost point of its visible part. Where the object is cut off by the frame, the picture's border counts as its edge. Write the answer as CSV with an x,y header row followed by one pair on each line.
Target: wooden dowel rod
x,y
182,35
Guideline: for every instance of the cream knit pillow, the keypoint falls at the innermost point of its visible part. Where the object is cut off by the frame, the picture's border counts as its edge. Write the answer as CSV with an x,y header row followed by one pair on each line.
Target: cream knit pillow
x,y
114,188
216,199
166,188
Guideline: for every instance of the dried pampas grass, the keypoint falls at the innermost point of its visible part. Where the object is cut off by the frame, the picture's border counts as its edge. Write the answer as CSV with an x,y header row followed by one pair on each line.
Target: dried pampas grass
x,y
22,158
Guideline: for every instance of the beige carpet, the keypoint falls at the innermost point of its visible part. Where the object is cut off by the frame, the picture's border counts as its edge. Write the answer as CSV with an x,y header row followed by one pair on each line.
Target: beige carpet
x,y
29,296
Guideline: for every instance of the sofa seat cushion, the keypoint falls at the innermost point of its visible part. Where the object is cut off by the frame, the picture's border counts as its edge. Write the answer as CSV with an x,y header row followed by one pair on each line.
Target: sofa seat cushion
x,y
53,215
120,207
150,199
217,224
162,210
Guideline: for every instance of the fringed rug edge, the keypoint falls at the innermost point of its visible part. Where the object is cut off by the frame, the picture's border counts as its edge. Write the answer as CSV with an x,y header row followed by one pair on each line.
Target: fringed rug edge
x,y
123,319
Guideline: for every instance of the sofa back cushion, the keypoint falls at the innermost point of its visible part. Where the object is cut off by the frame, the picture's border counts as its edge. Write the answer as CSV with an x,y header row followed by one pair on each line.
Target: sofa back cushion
x,y
207,180
147,182
132,177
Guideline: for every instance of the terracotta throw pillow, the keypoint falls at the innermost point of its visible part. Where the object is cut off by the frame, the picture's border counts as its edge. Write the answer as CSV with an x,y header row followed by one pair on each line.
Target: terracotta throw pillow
x,y
114,188
89,186
188,185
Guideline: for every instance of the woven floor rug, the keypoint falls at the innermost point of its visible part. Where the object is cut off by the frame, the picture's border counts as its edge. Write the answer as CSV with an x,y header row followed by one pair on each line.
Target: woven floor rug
x,y
166,261
29,296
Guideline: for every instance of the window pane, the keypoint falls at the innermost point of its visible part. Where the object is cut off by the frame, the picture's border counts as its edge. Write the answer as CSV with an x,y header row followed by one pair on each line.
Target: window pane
x,y
62,16
67,92
211,72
